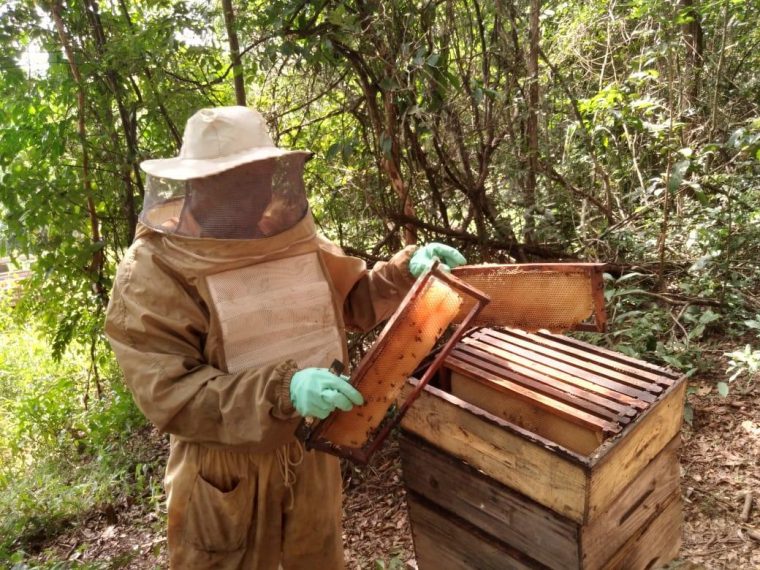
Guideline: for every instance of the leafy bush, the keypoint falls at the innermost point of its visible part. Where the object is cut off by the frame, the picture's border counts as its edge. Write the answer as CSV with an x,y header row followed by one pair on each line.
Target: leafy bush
x,y
743,364
59,457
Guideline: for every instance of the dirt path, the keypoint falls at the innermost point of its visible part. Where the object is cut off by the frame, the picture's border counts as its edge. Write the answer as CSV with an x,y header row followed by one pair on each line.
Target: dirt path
x,y
720,463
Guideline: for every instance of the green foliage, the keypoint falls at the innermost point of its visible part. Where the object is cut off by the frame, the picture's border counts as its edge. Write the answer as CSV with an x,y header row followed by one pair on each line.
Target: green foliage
x,y
55,211
645,155
642,151
743,364
59,459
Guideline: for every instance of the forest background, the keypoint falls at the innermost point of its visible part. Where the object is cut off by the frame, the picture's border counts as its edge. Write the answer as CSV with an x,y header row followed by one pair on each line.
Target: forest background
x,y
625,132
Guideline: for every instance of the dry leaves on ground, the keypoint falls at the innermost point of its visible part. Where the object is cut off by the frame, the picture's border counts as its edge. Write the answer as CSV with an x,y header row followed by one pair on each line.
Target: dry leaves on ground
x,y
720,463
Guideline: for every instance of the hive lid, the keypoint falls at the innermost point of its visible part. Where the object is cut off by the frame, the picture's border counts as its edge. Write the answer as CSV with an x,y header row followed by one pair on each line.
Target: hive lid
x,y
587,385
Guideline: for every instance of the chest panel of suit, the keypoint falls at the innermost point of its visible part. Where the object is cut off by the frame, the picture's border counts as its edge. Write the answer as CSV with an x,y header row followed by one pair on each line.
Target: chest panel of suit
x,y
274,311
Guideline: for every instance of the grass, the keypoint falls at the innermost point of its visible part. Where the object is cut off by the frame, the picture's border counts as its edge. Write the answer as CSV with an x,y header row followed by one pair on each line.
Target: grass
x,y
60,458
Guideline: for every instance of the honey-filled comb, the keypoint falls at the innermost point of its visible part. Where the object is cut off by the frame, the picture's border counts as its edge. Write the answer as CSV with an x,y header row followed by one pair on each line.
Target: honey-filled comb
x,y
538,296
408,337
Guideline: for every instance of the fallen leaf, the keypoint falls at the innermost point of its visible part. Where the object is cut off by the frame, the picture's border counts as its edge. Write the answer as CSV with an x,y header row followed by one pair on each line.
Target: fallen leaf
x,y
750,427
704,390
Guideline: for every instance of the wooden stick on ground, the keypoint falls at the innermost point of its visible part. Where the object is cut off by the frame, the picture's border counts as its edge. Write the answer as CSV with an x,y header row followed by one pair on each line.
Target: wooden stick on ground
x,y
747,506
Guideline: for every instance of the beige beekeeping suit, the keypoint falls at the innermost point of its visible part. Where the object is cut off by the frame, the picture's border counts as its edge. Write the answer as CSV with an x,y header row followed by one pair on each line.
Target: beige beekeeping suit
x,y
209,332
232,445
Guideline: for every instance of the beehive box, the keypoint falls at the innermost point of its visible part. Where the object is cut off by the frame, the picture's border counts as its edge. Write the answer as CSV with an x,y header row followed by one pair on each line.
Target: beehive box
x,y
537,450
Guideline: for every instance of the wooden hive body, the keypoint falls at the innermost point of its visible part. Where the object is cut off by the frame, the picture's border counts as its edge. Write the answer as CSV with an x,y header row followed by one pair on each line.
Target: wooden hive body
x,y
596,487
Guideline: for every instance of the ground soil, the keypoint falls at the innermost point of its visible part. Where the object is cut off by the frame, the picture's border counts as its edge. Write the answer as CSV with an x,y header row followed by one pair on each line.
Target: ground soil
x,y
720,464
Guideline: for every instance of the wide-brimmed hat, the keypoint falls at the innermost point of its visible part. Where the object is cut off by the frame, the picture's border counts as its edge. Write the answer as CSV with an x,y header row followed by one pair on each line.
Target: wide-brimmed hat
x,y
215,140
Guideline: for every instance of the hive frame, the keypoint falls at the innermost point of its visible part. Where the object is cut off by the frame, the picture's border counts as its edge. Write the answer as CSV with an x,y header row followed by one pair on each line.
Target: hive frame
x,y
311,431
595,272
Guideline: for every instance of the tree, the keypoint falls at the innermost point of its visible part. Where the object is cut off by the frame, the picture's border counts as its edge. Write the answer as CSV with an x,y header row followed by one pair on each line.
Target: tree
x,y
589,130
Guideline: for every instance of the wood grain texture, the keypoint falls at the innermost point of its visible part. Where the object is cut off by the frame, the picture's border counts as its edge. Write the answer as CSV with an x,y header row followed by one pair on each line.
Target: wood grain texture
x,y
579,438
620,460
642,500
490,506
510,383
444,542
519,522
584,365
529,464
655,544
617,360
496,363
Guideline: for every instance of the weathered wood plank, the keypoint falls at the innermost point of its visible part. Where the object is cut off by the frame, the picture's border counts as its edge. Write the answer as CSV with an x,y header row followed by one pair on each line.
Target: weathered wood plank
x,y
619,460
510,517
643,499
576,362
654,545
614,359
546,370
549,474
444,542
509,382
579,438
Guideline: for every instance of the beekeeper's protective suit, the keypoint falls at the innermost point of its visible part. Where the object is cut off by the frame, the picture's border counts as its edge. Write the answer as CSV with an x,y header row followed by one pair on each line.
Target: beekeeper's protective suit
x,y
225,294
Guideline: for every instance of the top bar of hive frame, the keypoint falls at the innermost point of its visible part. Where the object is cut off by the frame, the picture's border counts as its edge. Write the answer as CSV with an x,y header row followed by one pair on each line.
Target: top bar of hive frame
x,y
561,374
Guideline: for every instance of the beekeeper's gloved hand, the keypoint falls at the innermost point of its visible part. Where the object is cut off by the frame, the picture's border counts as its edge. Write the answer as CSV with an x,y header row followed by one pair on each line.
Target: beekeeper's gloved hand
x,y
317,392
424,257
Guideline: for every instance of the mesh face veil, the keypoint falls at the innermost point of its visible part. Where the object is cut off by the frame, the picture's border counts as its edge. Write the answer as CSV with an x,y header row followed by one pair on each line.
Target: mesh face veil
x,y
255,200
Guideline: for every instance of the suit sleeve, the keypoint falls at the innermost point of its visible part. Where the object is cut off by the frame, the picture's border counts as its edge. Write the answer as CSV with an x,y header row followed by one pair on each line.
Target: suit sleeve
x,y
369,296
157,326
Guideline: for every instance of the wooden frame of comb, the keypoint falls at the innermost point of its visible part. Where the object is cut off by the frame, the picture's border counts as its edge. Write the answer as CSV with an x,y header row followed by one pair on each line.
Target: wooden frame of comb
x,y
384,355
535,296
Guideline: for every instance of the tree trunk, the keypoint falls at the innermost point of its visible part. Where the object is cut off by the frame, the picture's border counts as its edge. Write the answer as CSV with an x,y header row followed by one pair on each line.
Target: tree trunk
x,y
529,192
385,124
237,67
113,83
96,265
176,135
392,165
693,38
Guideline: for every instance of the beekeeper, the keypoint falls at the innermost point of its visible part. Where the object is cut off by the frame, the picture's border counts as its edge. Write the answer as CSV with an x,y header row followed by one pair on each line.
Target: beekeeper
x,y
226,311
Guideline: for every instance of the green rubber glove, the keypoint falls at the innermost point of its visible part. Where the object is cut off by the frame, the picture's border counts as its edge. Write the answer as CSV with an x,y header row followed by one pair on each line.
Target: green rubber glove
x,y
424,257
316,392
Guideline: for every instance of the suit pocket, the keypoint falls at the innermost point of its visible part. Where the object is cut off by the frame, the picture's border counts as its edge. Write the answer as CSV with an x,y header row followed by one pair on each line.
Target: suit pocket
x,y
216,520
